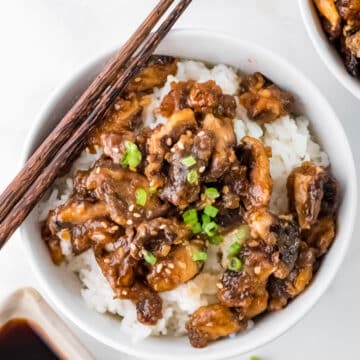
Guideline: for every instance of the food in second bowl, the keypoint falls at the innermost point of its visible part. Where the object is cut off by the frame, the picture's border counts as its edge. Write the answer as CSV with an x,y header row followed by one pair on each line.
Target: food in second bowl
x,y
341,23
201,202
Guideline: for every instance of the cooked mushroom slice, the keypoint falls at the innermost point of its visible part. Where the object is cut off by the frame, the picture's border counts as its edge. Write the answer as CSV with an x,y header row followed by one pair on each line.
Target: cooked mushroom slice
x,y
52,242
126,193
281,232
209,323
305,186
158,236
148,303
281,291
122,118
208,97
161,140
349,11
331,17
76,221
116,262
203,98
187,162
263,101
331,199
176,268
177,98
252,154
321,235
154,74
224,154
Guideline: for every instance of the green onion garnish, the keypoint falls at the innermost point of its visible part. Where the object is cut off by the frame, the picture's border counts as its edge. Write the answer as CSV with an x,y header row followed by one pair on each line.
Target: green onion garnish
x,y
196,228
132,156
216,240
235,264
188,161
199,256
149,257
205,219
211,211
242,233
190,217
140,195
255,358
234,248
210,228
212,193
192,177
152,191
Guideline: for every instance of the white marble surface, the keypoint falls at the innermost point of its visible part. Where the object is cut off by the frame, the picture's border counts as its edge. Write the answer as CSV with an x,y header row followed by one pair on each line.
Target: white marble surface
x,y
43,41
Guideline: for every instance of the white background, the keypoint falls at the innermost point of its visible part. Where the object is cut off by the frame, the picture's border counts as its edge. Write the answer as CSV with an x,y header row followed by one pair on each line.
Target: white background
x,y
44,41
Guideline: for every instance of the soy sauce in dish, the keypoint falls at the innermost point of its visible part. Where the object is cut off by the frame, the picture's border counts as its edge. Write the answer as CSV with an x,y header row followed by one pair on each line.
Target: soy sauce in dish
x,y
22,339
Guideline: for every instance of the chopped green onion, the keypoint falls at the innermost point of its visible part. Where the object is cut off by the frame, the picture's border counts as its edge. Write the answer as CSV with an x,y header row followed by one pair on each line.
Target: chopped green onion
x,y
196,228
212,193
242,233
152,191
149,257
234,248
199,256
132,156
235,264
190,217
211,211
210,228
255,358
192,177
205,219
188,161
141,197
216,240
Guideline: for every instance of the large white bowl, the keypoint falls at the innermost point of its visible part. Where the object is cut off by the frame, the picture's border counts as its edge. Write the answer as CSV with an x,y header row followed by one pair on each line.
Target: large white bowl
x,y
327,51
63,289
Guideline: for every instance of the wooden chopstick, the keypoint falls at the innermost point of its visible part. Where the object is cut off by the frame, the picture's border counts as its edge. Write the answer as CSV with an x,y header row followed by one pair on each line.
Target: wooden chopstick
x,y
79,111
78,139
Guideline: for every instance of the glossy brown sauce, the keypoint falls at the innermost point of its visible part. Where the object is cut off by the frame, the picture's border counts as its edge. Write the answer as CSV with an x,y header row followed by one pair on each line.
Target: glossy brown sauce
x,y
21,339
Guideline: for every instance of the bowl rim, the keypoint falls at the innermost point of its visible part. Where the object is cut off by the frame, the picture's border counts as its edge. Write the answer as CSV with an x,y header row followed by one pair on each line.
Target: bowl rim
x,y
326,51
130,349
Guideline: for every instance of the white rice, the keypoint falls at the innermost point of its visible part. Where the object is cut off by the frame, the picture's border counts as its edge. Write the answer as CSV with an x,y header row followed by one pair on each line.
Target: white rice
x,y
291,144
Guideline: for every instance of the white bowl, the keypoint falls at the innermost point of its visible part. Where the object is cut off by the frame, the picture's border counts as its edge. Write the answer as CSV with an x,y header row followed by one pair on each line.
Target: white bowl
x,y
64,290
327,51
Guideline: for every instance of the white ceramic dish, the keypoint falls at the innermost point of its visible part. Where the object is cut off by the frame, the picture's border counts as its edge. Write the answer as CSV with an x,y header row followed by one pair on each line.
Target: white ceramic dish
x,y
28,304
63,289
327,52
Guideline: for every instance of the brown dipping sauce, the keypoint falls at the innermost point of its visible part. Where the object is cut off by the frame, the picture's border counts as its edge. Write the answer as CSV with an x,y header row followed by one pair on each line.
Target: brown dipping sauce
x,y
22,339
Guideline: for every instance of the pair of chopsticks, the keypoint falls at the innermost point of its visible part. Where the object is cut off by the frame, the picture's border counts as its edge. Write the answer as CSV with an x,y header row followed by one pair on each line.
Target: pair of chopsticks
x,y
70,135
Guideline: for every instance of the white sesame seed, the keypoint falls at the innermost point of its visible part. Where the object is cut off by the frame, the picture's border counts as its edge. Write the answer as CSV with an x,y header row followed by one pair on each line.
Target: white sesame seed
x,y
114,228
131,207
201,133
133,247
137,215
257,270
171,266
168,141
168,271
104,224
202,169
124,292
115,150
106,261
219,285
97,170
181,146
129,222
159,267
117,107
162,227
138,79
